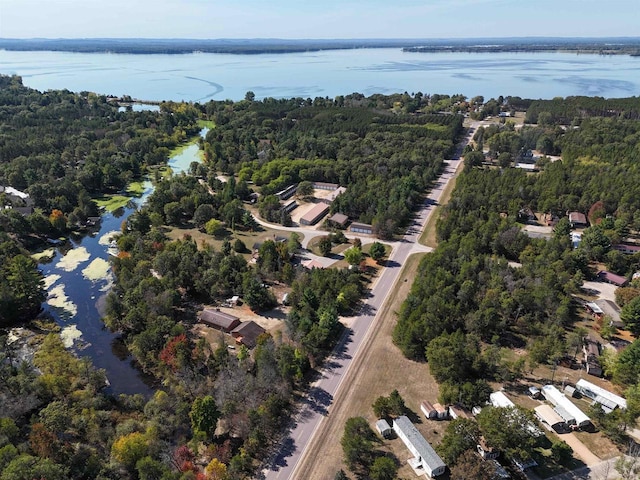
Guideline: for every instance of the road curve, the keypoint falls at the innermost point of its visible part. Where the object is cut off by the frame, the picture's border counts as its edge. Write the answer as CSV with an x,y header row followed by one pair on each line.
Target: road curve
x,y
315,406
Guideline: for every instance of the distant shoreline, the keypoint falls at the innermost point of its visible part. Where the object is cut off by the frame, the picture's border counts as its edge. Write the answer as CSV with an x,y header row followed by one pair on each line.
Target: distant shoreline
x,y
603,46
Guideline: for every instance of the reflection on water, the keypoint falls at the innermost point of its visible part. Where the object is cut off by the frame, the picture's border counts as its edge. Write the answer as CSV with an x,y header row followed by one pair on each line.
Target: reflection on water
x,y
204,76
77,277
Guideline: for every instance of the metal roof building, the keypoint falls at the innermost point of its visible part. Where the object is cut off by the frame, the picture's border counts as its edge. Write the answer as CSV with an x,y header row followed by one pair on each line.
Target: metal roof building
x,y
608,400
426,459
220,320
550,418
500,400
565,407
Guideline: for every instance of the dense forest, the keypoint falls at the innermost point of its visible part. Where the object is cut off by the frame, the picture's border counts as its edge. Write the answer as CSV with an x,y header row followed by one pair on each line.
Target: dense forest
x,y
60,150
386,157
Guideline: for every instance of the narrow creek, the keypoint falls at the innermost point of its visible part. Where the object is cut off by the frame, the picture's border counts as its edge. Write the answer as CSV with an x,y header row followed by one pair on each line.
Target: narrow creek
x,y
78,277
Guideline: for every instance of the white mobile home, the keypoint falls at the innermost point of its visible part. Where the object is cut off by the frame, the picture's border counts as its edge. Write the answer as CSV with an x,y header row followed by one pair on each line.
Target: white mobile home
x,y
565,407
500,400
425,460
609,401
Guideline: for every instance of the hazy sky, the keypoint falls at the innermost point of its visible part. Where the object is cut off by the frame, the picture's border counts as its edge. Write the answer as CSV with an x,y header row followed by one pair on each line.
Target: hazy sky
x,y
317,18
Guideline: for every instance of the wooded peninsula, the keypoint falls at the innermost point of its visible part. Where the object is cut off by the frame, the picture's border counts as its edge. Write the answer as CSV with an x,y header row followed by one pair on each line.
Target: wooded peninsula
x,y
604,46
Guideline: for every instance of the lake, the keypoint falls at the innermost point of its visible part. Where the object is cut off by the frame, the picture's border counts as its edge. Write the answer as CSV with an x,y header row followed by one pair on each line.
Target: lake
x,y
200,77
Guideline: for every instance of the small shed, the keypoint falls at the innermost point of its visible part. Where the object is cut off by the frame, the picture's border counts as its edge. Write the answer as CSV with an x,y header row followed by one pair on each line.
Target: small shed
x,y
570,391
441,412
429,411
383,428
247,333
219,320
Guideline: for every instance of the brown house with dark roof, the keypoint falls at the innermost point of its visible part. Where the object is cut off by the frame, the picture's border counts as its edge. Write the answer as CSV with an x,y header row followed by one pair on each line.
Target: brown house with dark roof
x,y
219,320
247,333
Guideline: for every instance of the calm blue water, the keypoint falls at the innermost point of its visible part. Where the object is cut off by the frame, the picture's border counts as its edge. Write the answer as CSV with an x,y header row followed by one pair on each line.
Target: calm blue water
x,y
204,76
76,296
76,301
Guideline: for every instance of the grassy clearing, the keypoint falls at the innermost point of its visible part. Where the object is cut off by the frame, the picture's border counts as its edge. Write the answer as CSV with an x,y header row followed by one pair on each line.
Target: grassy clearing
x,y
248,238
112,203
206,123
599,444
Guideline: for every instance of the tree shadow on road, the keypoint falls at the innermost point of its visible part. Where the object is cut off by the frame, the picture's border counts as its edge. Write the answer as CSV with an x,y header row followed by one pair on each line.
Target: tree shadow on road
x,y
316,401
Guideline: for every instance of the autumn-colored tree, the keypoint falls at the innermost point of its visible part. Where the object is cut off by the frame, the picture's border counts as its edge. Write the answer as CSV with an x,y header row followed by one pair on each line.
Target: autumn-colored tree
x,y
182,456
57,219
130,448
216,470
43,442
174,352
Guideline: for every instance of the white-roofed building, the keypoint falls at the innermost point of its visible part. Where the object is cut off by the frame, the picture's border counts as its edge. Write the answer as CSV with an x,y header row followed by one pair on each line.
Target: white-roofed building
x,y
426,461
500,400
609,401
565,407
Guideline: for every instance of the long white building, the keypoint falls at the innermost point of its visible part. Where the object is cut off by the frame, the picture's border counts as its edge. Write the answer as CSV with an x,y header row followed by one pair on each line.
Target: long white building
x,y
609,401
565,407
426,459
500,400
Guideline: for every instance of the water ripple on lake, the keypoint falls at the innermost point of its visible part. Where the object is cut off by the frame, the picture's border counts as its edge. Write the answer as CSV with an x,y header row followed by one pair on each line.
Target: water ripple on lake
x,y
598,86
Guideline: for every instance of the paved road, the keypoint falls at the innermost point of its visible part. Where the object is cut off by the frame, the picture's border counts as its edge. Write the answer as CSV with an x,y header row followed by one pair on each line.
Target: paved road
x,y
321,393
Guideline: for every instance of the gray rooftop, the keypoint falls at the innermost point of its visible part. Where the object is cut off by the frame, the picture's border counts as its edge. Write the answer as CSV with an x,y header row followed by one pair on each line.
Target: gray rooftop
x,y
426,451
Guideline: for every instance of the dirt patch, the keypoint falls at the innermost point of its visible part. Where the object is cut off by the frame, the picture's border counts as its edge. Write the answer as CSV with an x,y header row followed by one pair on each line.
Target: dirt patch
x,y
601,290
598,444
248,238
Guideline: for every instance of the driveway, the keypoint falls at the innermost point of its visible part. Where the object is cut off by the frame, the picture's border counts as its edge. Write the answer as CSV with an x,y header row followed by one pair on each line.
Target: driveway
x,y
580,449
